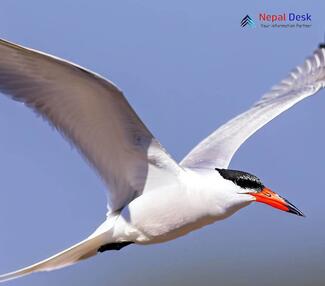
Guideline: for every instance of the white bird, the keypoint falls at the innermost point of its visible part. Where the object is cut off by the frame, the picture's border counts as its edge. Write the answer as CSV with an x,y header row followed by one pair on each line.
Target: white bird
x,y
151,198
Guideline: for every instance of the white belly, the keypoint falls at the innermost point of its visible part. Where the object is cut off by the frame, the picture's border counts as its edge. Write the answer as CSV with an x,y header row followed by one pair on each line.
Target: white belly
x,y
164,216
167,213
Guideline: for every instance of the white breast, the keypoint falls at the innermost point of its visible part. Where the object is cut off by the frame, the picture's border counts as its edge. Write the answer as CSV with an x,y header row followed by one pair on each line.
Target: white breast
x,y
195,200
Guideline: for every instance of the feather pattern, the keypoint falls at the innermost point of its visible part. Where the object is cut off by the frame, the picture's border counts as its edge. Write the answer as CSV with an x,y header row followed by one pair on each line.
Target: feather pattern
x,y
92,113
219,147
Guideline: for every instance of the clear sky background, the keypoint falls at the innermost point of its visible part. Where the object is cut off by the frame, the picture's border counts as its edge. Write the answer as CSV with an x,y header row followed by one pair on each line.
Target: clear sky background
x,y
186,67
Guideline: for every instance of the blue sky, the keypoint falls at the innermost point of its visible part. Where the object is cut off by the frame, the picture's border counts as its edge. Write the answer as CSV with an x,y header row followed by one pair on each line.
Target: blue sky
x,y
186,67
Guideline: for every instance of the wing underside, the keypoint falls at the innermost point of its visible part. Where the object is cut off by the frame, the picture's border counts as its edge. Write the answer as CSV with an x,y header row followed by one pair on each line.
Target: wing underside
x,y
90,112
218,148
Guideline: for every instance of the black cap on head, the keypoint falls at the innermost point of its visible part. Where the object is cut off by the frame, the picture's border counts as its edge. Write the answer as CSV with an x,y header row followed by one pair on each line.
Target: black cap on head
x,y
242,179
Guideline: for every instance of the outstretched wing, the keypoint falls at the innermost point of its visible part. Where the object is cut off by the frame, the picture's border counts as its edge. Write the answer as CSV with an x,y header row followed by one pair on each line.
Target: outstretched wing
x,y
217,149
92,113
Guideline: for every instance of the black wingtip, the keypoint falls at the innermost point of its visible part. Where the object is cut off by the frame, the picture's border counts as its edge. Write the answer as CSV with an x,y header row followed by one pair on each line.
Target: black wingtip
x,y
322,45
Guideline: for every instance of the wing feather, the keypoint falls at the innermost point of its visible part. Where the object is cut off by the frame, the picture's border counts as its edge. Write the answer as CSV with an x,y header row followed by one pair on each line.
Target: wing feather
x,y
218,148
92,113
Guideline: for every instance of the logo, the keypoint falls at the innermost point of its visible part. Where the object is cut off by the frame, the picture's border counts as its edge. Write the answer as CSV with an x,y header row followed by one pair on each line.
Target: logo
x,y
278,20
284,17
247,20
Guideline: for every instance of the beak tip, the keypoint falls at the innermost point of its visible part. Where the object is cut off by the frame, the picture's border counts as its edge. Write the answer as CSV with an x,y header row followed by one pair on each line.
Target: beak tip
x,y
296,212
293,209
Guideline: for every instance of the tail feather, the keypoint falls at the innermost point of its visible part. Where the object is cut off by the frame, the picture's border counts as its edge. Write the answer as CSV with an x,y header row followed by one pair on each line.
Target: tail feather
x,y
75,253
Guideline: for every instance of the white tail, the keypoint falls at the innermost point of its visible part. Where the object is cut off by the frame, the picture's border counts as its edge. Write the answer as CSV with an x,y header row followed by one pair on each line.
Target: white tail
x,y
75,253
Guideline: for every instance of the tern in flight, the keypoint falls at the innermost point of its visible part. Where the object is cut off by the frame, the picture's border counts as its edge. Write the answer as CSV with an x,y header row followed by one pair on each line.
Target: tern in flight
x,y
151,198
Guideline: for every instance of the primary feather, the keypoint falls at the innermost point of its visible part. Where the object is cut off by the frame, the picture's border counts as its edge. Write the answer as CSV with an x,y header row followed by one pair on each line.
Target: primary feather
x,y
218,148
92,113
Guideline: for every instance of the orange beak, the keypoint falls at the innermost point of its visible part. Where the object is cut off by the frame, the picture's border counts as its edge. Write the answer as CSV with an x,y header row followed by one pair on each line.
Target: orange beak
x,y
272,199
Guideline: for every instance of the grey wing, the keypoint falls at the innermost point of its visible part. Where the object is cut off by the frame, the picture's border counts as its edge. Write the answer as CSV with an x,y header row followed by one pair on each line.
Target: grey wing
x,y
218,148
92,113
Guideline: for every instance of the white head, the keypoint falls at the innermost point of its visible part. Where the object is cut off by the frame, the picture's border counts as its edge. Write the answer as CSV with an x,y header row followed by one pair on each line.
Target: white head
x,y
250,188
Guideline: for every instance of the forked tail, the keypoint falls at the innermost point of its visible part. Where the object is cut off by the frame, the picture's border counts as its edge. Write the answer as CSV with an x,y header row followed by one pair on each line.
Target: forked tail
x,y
75,253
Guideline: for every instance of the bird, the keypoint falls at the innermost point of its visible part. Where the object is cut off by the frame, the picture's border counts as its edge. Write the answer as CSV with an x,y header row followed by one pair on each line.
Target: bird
x,y
151,197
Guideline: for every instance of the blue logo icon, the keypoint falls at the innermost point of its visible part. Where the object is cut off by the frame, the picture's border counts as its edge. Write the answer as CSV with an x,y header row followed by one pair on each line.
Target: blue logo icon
x,y
247,21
